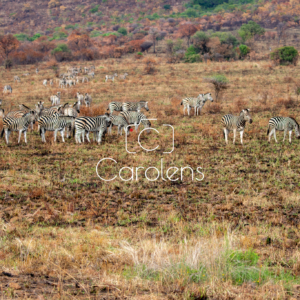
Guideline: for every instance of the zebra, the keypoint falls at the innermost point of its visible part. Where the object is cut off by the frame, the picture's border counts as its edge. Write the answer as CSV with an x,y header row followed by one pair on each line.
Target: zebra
x,y
112,77
70,82
135,106
62,83
97,124
17,114
197,103
2,115
17,78
85,79
7,88
286,124
92,74
17,124
37,70
45,82
26,74
236,123
51,82
201,102
115,106
69,110
80,97
86,69
56,123
121,122
55,99
123,76
136,118
92,67
87,99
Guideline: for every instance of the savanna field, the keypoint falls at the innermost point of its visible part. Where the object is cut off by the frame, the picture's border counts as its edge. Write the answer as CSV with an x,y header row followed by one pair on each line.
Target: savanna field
x,y
67,234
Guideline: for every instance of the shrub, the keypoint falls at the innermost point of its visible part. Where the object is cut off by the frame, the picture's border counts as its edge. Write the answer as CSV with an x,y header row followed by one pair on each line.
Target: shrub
x,y
95,33
122,30
167,6
285,55
244,50
94,9
21,37
200,40
248,31
191,56
60,48
59,36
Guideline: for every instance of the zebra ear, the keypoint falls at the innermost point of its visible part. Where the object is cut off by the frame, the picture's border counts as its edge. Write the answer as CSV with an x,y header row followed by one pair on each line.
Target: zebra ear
x,y
248,109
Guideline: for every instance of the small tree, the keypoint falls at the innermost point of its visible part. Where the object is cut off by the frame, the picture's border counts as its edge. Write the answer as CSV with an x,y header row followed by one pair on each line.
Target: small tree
x,y
250,30
187,30
244,50
200,40
285,55
8,44
220,83
122,30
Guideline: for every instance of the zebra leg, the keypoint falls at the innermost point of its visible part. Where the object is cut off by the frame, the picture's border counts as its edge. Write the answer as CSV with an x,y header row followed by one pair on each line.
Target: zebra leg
x,y
226,135
25,136
270,134
100,136
234,135
241,135
6,136
290,136
62,135
284,135
275,135
195,110
20,134
88,137
55,135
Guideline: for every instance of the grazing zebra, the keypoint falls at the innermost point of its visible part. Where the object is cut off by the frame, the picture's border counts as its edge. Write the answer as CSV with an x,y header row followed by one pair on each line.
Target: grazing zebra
x,y
112,77
17,78
87,99
55,99
286,124
7,88
97,124
236,123
92,74
45,82
123,76
136,118
202,101
37,71
20,124
80,98
135,106
70,110
121,122
115,106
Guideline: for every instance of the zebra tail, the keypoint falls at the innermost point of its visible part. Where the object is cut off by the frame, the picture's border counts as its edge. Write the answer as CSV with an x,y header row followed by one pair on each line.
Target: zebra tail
x,y
181,103
40,131
73,131
2,132
268,130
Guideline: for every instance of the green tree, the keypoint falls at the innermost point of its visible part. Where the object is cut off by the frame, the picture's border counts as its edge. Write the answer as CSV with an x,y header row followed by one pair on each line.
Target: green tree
x,y
249,30
122,30
200,40
60,48
244,50
208,3
285,55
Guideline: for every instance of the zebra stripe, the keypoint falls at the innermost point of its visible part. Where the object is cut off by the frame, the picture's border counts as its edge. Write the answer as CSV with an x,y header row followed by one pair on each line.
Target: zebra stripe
x,y
119,121
136,118
55,123
135,106
236,123
115,106
20,124
97,124
286,124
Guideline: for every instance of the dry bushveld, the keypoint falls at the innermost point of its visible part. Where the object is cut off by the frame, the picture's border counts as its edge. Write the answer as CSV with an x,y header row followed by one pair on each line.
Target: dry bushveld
x,y
66,234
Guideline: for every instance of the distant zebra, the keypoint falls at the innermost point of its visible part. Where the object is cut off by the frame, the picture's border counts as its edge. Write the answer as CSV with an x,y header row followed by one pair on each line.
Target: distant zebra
x,y
196,103
17,78
0,101
97,124
87,99
2,115
115,106
121,122
123,77
51,82
236,123
56,123
70,82
45,82
86,69
55,99
70,110
92,74
135,106
37,71
286,124
26,74
80,98
7,88
112,77
136,118
62,83
21,125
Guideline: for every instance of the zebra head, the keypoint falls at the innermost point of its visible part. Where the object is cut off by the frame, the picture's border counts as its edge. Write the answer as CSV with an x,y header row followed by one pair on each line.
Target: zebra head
x,y
208,96
297,131
31,116
146,106
246,114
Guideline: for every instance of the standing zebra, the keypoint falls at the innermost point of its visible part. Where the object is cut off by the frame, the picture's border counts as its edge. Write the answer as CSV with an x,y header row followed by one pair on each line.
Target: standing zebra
x,y
87,99
92,74
135,106
20,124
17,114
37,70
69,110
56,123
119,121
236,123
55,99
286,124
115,106
7,88
136,118
197,103
95,124
111,77
62,83
123,77
17,78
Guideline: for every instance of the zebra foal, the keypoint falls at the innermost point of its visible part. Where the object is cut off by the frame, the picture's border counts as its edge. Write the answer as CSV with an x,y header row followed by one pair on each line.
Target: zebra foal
x,y
286,124
236,123
17,124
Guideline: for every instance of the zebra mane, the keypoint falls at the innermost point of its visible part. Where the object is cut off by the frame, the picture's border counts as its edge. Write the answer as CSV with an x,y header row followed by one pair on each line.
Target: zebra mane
x,y
294,121
25,106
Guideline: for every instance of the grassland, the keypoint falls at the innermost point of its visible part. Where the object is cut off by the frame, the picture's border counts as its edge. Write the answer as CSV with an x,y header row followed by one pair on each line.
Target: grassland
x,y
66,234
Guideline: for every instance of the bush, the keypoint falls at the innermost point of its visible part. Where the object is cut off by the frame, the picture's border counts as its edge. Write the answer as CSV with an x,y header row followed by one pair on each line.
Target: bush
x,y
122,30
244,50
226,38
21,37
94,9
285,55
60,48
167,6
95,33
59,36
200,40
191,55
